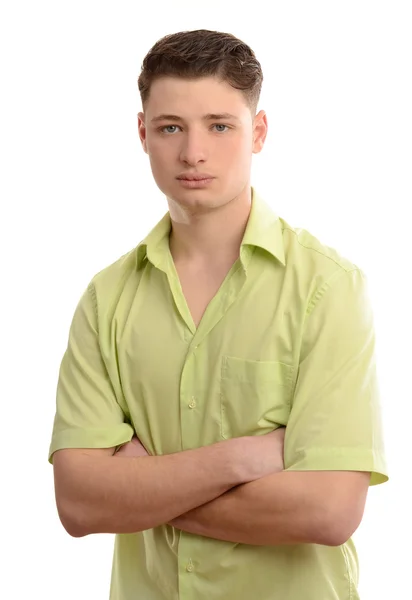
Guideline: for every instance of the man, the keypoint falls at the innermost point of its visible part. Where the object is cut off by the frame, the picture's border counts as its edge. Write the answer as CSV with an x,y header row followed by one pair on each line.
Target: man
x,y
217,405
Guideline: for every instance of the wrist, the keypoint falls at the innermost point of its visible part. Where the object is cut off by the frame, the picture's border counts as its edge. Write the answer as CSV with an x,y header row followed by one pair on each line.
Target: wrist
x,y
237,466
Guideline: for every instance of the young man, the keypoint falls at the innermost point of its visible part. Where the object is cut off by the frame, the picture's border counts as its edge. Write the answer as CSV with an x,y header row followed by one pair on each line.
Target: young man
x,y
217,405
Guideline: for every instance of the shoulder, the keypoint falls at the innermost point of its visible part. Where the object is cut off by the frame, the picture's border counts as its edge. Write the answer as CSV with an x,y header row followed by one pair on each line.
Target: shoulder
x,y
304,249
313,267
107,285
115,271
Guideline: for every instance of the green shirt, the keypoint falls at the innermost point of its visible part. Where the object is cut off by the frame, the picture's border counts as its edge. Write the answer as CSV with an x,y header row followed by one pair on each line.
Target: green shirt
x,y
287,340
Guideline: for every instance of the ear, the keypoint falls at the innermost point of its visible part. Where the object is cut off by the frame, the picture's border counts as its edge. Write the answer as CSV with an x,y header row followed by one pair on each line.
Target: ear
x,y
260,130
142,130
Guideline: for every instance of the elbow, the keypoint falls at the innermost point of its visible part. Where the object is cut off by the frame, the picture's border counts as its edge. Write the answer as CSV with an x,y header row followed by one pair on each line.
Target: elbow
x,y
76,533
73,529
70,520
340,537
335,538
337,529
344,532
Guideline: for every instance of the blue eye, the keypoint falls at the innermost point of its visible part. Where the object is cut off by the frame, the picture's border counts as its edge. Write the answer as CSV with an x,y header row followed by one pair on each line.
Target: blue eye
x,y
162,129
166,126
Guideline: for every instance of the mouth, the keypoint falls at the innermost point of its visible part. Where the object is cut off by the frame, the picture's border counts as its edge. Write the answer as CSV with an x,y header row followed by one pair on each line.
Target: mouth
x,y
195,178
195,183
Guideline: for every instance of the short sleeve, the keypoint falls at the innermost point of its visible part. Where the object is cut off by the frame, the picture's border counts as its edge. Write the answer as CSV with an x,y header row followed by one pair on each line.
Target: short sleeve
x,y
335,421
87,412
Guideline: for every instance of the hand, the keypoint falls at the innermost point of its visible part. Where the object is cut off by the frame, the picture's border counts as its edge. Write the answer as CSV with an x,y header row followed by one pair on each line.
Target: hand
x,y
259,456
132,448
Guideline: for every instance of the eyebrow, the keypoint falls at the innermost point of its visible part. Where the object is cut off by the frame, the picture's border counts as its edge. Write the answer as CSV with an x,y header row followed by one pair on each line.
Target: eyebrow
x,y
208,117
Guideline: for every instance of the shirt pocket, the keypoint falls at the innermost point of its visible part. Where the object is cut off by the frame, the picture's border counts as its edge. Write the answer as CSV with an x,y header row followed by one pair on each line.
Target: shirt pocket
x,y
255,396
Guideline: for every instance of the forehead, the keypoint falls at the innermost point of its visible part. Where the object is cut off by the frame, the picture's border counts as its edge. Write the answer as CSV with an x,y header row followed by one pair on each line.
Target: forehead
x,y
208,94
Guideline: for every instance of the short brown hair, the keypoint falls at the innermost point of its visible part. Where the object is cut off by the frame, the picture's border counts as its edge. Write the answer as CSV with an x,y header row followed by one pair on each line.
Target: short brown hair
x,y
203,53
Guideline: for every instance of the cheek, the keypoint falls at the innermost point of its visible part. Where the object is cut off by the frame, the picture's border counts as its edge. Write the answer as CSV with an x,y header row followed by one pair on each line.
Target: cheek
x,y
238,152
159,167
153,147
159,155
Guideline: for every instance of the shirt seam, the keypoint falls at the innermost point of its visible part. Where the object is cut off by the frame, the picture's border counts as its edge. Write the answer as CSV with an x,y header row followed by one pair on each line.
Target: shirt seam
x,y
326,285
92,291
348,571
318,251
333,449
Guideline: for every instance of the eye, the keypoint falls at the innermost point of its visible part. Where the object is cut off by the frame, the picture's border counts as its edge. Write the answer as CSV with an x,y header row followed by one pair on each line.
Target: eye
x,y
165,127
220,125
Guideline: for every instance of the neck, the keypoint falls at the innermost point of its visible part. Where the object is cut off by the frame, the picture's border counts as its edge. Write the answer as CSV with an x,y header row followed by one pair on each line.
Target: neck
x,y
209,237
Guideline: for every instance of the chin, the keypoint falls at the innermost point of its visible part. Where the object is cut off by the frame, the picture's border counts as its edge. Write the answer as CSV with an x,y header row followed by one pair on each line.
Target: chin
x,y
192,197
196,198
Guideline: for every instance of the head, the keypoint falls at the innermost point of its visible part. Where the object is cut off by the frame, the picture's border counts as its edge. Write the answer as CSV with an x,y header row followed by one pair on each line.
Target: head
x,y
197,77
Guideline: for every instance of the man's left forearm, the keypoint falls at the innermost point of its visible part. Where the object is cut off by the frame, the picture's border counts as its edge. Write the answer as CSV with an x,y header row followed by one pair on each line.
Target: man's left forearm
x,y
282,508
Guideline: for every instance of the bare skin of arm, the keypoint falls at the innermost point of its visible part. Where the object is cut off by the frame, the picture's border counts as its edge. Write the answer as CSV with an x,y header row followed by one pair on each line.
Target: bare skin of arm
x,y
290,507
286,507
96,492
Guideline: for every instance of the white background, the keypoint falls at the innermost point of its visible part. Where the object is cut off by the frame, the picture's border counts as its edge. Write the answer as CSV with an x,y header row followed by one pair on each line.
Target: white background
x,y
77,193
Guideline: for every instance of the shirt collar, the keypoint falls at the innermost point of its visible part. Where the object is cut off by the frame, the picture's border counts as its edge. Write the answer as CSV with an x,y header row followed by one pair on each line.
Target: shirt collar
x,y
263,230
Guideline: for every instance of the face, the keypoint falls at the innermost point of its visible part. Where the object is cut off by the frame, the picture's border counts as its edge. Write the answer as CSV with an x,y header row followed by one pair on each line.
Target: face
x,y
196,141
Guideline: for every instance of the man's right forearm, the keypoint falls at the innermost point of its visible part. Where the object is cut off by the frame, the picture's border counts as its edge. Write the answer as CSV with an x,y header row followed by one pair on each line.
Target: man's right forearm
x,y
103,494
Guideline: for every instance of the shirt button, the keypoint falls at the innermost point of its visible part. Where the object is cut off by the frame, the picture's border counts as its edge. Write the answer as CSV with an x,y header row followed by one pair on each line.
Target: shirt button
x,y
192,403
190,567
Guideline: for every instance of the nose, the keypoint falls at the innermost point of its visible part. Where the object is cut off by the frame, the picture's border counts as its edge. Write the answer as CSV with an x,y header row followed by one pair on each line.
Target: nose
x,y
193,148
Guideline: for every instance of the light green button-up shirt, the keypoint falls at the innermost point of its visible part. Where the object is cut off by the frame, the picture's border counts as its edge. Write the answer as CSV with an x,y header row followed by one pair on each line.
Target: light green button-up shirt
x,y
287,340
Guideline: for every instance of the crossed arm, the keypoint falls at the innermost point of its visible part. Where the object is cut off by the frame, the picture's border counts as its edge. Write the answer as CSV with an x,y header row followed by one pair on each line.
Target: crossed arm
x,y
287,507
290,507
